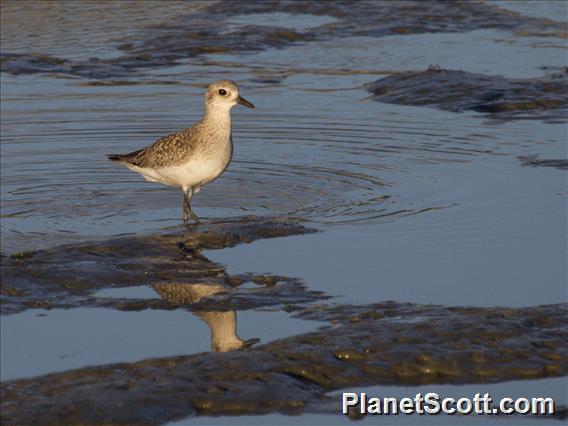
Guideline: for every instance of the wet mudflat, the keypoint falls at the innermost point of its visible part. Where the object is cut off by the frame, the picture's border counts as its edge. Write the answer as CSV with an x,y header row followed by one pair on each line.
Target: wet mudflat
x,y
193,35
387,343
69,276
355,345
458,91
404,151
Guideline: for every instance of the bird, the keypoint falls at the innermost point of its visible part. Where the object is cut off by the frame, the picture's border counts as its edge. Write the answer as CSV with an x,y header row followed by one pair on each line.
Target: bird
x,y
222,324
194,156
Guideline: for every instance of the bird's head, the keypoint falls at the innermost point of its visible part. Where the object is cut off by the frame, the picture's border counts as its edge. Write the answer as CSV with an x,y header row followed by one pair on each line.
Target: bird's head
x,y
224,94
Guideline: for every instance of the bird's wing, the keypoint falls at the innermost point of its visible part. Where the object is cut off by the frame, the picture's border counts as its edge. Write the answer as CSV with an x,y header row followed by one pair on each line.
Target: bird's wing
x,y
169,150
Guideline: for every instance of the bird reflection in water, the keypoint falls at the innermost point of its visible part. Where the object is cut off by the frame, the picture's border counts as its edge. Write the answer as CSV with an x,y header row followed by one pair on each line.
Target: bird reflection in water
x,y
222,324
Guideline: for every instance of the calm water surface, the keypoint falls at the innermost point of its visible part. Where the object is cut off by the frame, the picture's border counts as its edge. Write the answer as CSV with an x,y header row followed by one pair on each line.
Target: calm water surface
x,y
416,204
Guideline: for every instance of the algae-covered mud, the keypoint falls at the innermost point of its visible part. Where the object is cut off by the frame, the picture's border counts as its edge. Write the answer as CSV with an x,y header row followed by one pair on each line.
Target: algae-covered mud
x,y
376,344
534,161
459,91
189,35
362,345
69,276
394,218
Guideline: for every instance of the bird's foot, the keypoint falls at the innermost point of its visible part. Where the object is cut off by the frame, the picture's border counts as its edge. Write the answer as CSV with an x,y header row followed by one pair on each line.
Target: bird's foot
x,y
194,217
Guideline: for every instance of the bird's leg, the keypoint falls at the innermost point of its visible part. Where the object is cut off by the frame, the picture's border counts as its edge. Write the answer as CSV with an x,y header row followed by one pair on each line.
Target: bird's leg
x,y
187,211
194,216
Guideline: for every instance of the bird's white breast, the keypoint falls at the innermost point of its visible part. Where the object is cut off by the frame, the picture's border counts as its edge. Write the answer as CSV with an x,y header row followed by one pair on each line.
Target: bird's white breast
x,y
195,172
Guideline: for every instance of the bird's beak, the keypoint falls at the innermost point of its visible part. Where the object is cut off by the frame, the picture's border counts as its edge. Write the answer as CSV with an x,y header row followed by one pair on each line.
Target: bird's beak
x,y
243,101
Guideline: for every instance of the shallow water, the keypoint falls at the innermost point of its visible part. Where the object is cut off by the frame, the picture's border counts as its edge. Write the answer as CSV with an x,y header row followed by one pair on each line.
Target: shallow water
x,y
60,340
416,204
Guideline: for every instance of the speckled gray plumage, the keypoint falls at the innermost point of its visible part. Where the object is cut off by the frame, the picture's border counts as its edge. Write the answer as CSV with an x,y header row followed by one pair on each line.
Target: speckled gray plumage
x,y
202,139
170,150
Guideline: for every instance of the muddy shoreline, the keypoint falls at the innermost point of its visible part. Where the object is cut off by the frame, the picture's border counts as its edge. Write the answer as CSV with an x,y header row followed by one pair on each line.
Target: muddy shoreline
x,y
387,343
458,91
192,35
68,276
381,343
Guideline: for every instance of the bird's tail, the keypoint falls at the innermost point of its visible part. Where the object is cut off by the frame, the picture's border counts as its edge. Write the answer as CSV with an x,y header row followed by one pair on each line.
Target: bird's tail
x,y
115,157
124,158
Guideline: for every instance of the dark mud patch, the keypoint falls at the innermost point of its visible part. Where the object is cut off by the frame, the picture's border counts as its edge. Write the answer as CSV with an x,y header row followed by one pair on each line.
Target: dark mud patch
x,y
209,31
535,161
380,18
69,275
460,91
31,63
376,344
137,82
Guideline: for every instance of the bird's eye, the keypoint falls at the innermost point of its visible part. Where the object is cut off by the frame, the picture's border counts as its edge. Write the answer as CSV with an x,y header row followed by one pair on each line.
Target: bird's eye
x,y
222,92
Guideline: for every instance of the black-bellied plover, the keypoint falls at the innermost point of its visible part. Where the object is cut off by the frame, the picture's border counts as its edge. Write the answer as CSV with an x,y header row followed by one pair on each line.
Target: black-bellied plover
x,y
195,156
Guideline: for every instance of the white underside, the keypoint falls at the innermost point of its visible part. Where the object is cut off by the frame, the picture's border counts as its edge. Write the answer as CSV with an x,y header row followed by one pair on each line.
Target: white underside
x,y
192,174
